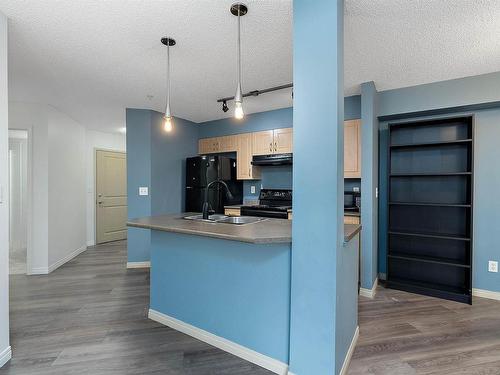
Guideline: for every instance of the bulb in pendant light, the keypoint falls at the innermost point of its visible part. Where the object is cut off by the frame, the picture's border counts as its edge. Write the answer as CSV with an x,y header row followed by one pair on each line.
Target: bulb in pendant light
x,y
167,123
238,110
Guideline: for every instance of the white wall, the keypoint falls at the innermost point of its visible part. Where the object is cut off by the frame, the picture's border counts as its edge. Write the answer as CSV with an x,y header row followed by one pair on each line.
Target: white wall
x,y
5,352
67,206
33,118
105,141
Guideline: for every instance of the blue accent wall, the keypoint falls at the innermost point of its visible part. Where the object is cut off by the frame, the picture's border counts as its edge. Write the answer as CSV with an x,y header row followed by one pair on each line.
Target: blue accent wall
x,y
138,174
235,290
470,92
168,163
155,159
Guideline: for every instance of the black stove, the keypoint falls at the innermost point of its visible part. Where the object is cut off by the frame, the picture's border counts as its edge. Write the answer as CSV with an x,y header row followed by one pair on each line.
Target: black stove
x,y
273,203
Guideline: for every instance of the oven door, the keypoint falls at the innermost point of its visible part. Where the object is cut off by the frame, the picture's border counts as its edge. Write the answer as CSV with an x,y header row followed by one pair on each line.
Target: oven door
x,y
248,211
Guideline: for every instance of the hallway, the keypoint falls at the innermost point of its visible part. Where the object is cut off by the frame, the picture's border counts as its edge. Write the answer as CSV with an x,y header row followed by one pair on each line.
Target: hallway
x,y
90,317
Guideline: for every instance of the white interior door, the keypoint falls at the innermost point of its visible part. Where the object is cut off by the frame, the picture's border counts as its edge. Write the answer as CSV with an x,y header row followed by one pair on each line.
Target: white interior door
x,y
111,196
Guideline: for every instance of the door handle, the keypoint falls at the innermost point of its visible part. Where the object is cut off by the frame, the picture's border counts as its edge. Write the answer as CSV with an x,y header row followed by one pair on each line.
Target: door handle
x,y
100,202
276,146
271,146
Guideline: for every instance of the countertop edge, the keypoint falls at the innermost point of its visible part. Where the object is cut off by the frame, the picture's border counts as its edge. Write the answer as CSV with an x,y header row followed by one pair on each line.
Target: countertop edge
x,y
263,241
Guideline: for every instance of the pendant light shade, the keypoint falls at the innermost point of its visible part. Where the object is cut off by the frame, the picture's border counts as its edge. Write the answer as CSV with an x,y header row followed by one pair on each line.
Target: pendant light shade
x,y
167,117
238,10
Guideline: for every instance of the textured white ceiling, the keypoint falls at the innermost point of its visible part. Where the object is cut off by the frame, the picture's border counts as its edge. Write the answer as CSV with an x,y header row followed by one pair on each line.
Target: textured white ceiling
x,y
93,58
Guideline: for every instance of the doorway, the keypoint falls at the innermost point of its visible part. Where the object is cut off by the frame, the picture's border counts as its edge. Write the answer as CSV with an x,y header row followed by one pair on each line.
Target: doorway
x,y
111,196
18,198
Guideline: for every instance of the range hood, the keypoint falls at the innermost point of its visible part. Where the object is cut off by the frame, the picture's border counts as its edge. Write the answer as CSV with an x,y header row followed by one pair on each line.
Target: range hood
x,y
275,159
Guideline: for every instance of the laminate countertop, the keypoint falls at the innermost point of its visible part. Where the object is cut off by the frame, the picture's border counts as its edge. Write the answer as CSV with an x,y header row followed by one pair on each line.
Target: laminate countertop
x,y
263,232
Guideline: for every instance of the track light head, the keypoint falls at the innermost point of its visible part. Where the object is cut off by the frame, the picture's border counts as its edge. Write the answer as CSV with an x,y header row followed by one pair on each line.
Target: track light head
x,y
224,106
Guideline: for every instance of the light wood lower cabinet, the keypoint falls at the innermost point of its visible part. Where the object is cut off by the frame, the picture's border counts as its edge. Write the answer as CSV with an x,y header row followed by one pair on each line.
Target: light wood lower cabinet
x,y
352,220
232,211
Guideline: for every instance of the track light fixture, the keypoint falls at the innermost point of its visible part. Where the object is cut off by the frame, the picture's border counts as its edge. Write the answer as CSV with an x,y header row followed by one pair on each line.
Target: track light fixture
x,y
225,108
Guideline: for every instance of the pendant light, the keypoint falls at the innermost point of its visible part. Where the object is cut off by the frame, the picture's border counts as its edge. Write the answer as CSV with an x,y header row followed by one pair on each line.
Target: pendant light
x,y
238,10
167,117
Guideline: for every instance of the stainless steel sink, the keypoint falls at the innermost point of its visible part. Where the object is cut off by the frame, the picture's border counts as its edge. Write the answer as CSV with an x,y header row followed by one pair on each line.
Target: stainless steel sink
x,y
211,218
241,220
223,219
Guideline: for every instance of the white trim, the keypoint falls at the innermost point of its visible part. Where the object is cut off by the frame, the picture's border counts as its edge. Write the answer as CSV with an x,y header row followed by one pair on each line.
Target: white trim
x,y
369,293
39,271
247,354
67,258
146,264
486,294
90,243
5,356
290,373
350,352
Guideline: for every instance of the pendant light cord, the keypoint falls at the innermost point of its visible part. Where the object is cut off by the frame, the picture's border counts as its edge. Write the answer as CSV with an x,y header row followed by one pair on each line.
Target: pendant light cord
x,y
167,108
239,48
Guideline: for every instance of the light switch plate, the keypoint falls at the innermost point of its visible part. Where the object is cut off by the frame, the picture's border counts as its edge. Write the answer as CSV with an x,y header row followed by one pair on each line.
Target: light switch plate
x,y
492,266
252,189
143,190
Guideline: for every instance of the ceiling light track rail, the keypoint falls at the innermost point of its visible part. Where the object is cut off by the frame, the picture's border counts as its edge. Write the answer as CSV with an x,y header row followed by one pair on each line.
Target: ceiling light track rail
x,y
258,92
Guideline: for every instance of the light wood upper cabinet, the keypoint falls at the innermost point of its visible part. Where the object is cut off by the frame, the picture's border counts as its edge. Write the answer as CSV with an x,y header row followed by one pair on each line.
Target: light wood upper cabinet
x,y
244,168
205,146
278,141
228,143
263,142
283,140
352,149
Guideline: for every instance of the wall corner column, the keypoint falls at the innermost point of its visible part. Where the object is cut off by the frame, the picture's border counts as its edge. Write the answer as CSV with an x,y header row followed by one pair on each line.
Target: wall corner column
x,y
369,184
318,184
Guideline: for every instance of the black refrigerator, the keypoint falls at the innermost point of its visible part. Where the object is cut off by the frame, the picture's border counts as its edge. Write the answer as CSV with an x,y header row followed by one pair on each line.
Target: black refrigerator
x,y
200,171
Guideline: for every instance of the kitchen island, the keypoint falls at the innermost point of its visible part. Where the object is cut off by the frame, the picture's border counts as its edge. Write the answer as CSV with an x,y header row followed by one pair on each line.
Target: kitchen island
x,y
227,284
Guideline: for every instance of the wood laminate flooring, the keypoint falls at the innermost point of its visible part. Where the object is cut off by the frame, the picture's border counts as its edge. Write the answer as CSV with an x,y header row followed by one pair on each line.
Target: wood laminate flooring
x,y
408,334
90,317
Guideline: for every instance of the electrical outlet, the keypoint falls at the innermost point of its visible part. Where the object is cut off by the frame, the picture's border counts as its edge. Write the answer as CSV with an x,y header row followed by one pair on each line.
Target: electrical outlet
x,y
355,189
143,190
492,266
252,189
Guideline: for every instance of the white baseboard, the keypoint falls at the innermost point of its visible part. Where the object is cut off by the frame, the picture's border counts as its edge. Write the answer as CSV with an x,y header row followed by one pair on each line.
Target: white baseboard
x,y
5,356
39,271
247,354
369,293
139,264
350,352
67,258
486,294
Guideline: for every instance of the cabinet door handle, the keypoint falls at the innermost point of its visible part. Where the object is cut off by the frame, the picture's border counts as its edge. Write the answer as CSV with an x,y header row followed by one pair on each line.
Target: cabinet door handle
x,y
276,146
271,146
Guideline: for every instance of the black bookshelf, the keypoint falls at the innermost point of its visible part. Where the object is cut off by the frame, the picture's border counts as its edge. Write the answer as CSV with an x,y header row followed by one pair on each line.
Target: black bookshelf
x,y
430,172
